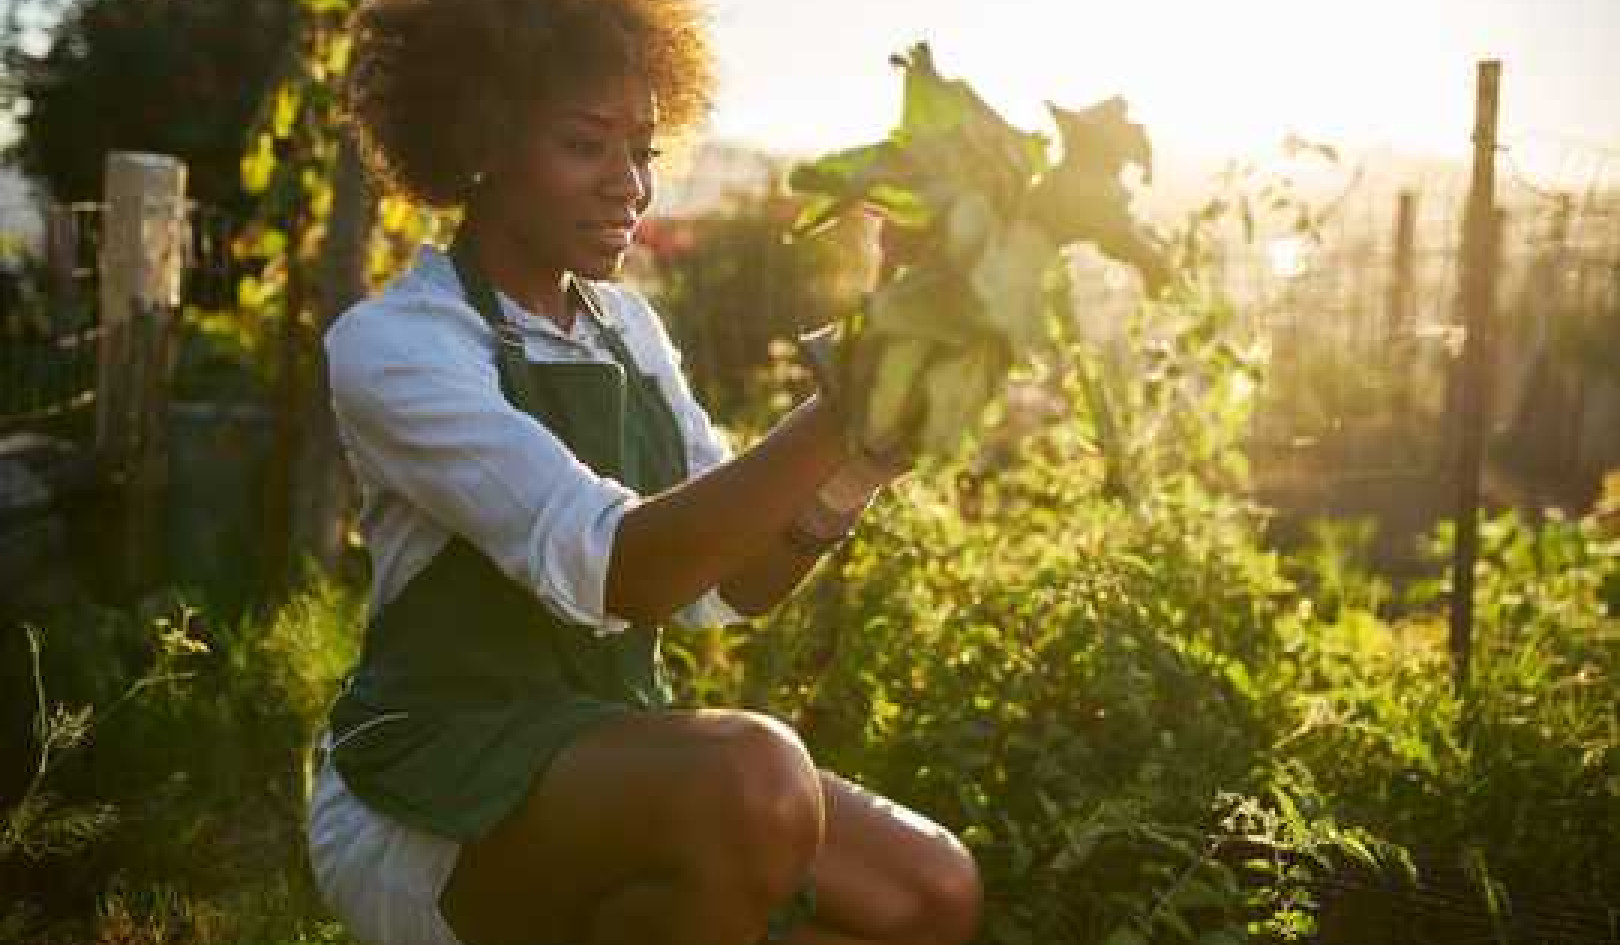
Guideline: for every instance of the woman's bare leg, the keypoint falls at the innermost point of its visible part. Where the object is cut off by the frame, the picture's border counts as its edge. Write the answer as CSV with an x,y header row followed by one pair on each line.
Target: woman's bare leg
x,y
685,828
888,875
689,827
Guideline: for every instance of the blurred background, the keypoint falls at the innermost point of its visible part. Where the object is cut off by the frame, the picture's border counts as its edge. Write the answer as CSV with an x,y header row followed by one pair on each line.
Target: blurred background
x,y
1246,696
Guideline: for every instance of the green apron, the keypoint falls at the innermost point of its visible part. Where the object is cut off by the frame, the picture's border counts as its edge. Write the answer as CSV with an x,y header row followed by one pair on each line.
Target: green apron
x,y
467,684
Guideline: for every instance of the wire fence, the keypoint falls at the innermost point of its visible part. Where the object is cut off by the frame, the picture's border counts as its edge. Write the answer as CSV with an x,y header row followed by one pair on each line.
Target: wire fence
x,y
49,324
1359,415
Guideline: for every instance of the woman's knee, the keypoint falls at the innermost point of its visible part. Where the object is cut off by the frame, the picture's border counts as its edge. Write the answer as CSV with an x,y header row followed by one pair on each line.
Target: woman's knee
x,y
952,898
940,903
752,803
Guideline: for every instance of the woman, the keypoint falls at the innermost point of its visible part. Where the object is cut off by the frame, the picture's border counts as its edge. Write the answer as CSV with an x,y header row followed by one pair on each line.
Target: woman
x,y
541,493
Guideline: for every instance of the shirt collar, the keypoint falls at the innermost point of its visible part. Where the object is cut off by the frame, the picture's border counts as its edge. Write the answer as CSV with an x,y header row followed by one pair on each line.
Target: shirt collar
x,y
435,266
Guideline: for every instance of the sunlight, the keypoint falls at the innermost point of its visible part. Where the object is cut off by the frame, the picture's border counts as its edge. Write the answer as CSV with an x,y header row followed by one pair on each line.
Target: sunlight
x,y
1209,80
1228,78
1289,256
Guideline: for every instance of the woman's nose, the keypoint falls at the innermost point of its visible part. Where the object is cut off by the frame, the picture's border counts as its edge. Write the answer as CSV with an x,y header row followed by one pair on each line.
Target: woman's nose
x,y
628,178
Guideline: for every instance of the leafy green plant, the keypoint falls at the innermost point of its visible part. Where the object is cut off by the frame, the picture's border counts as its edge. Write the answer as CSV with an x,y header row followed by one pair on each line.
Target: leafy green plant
x,y
176,804
1528,752
42,826
980,214
1150,727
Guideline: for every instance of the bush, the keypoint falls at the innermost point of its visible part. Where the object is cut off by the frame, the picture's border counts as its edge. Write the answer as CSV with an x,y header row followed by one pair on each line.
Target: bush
x,y
172,756
1528,753
1149,727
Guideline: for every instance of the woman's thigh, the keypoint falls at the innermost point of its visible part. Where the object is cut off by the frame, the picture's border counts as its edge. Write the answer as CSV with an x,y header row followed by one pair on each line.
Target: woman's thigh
x,y
886,873
630,801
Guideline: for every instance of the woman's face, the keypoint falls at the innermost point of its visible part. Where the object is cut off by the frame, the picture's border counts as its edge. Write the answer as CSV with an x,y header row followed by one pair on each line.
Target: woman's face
x,y
572,193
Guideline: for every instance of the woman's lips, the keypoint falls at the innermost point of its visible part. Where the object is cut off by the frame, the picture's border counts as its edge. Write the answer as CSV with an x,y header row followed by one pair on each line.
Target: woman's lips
x,y
615,237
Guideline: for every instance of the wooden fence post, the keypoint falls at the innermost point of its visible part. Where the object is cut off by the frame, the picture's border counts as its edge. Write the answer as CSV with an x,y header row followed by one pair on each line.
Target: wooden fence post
x,y
1482,228
1403,269
1400,341
142,256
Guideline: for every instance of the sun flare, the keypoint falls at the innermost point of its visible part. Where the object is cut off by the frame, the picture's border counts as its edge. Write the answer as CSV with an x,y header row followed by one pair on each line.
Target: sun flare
x,y
1210,80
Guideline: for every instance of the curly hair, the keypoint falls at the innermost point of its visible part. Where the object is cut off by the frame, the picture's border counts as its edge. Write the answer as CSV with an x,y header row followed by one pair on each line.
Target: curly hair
x,y
435,85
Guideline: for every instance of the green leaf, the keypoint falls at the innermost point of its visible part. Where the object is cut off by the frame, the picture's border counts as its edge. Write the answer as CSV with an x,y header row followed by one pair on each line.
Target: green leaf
x,y
1083,198
1175,922
258,164
286,111
924,302
847,173
1008,281
899,365
969,226
1125,935
958,388
954,141
1197,894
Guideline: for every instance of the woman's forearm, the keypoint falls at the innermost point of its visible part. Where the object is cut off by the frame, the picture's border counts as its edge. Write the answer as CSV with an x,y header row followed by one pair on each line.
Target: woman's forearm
x,y
764,580
671,548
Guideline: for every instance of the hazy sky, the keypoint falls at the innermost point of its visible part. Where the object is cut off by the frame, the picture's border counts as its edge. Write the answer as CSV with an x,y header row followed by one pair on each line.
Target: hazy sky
x,y
1211,77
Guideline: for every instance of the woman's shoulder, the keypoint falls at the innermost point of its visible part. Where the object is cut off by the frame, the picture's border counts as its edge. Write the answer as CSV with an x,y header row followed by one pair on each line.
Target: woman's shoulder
x,y
415,320
415,315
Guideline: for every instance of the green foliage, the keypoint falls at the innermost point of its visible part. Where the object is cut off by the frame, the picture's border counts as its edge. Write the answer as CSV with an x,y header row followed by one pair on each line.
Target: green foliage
x,y
1172,393
288,163
1529,752
171,773
978,215
1075,678
1147,726
179,77
1071,682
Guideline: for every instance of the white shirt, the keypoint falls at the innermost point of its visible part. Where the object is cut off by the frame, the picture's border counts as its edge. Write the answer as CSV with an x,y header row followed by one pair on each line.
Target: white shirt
x,y
438,450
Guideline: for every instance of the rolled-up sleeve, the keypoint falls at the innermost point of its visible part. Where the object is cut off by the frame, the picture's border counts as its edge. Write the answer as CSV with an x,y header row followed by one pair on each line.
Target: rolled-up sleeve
x,y
422,408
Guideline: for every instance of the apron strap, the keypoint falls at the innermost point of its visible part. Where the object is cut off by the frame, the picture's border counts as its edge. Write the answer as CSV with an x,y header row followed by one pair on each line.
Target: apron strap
x,y
483,297
514,360
510,351
642,384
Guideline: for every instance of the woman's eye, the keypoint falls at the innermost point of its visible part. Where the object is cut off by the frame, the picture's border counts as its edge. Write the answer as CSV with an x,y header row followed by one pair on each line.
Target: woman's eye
x,y
585,147
593,148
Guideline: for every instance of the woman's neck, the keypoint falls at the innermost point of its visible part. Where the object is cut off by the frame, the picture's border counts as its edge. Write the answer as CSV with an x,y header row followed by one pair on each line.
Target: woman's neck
x,y
540,290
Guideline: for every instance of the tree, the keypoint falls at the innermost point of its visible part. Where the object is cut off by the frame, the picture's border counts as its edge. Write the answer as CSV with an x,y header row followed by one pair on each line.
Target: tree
x,y
180,77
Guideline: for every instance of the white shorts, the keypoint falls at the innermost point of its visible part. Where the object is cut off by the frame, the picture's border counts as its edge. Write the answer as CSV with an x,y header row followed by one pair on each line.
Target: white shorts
x,y
382,878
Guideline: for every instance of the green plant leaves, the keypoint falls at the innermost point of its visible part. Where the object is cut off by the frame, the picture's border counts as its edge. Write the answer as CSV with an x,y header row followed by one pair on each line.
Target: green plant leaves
x,y
962,191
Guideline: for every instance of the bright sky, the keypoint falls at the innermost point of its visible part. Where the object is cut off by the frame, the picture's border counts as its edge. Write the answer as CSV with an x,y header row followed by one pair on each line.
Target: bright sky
x,y
1208,77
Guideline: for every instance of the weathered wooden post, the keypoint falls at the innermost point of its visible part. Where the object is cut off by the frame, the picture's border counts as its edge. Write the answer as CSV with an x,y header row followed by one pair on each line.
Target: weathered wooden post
x,y
142,255
1482,227
1403,269
1400,341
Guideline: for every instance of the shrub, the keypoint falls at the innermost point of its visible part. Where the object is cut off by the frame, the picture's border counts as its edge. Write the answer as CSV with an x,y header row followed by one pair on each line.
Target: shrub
x,y
171,756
